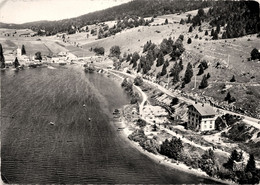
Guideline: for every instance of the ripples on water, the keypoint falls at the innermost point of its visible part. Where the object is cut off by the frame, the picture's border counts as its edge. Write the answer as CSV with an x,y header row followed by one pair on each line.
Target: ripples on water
x,y
73,150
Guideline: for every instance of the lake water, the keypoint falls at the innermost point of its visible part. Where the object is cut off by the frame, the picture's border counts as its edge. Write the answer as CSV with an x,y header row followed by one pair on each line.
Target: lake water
x,y
74,149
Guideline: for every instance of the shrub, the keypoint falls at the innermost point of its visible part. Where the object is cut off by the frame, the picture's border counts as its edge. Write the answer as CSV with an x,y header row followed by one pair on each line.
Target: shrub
x,y
207,163
174,101
134,98
150,145
138,81
255,54
38,56
182,21
141,122
127,85
99,50
138,136
173,148
115,51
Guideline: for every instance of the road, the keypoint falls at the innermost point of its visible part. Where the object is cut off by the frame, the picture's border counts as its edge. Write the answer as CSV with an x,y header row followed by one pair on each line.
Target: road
x,y
144,99
249,120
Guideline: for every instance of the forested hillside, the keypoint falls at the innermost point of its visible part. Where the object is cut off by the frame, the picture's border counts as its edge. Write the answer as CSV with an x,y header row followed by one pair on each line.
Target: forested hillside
x,y
143,8
237,18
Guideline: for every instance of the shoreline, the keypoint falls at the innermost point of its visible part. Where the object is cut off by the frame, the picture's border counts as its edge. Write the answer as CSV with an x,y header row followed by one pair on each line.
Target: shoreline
x,y
158,158
163,160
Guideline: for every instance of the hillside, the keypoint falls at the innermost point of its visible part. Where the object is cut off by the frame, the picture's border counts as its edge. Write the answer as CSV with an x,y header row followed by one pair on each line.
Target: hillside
x,y
143,8
225,58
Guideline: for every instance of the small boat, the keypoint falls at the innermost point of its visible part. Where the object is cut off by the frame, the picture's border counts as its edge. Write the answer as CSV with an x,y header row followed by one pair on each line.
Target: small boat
x,y
51,123
89,119
84,105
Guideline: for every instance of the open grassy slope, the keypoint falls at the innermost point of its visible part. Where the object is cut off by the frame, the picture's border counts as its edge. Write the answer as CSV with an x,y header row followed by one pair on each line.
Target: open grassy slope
x,y
231,54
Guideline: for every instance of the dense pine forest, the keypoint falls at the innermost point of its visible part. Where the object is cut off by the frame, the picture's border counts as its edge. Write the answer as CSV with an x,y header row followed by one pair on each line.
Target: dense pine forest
x,y
239,18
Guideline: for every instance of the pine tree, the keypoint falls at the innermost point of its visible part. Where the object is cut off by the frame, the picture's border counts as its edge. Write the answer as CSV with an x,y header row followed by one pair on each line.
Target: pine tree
x,y
175,70
134,59
23,50
255,54
128,58
181,64
2,58
250,167
201,70
182,22
233,79
218,28
206,32
208,76
200,30
166,63
189,41
166,21
188,74
16,63
189,20
190,29
160,60
164,71
212,32
215,35
204,82
228,97
224,35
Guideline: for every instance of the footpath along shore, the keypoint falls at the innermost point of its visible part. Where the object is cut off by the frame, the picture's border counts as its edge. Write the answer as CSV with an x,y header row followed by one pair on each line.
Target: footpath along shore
x,y
158,158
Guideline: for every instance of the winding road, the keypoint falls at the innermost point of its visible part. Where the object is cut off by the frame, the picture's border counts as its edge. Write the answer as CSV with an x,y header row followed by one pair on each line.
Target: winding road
x,y
249,120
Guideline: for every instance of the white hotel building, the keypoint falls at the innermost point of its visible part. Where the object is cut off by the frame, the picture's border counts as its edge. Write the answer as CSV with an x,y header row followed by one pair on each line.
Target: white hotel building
x,y
201,117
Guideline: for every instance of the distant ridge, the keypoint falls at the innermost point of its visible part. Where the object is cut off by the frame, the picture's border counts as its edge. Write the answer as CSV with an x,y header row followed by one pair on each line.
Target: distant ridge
x,y
144,8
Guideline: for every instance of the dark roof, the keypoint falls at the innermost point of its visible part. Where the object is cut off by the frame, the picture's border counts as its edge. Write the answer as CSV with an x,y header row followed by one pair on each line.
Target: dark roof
x,y
204,109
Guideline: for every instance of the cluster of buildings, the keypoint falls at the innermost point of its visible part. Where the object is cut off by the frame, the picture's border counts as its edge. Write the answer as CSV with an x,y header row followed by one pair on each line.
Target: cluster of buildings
x,y
201,117
23,59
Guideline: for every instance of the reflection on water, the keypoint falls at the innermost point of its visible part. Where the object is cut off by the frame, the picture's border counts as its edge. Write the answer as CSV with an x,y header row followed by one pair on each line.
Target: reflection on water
x,y
72,149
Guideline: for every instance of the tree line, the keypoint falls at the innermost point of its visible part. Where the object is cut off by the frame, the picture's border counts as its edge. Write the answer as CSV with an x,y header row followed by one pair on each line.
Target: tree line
x,y
140,8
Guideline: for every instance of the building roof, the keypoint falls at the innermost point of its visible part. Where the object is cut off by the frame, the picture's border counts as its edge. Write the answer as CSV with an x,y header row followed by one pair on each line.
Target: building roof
x,y
204,109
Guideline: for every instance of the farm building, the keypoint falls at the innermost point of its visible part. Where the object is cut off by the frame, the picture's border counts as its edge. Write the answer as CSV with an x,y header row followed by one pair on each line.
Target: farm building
x,y
201,117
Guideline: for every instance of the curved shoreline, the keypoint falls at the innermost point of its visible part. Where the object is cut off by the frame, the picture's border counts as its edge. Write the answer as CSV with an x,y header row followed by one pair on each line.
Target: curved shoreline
x,y
158,158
